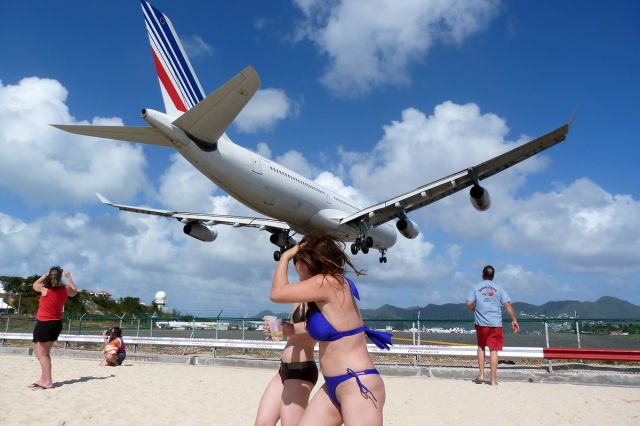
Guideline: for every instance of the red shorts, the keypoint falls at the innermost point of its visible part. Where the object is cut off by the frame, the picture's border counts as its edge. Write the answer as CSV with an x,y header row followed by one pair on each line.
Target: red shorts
x,y
490,337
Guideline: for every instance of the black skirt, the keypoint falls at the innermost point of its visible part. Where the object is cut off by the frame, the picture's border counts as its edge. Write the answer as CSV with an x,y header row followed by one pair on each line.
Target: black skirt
x,y
47,331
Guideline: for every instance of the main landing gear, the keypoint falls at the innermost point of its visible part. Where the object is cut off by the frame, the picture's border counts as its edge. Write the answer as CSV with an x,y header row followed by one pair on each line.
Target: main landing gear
x,y
284,241
361,244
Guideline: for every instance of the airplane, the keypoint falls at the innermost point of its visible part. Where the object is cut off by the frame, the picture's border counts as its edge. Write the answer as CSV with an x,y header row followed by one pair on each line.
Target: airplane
x,y
194,124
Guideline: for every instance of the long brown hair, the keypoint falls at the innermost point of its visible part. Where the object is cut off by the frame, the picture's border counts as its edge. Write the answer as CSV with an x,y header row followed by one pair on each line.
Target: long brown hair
x,y
324,254
54,279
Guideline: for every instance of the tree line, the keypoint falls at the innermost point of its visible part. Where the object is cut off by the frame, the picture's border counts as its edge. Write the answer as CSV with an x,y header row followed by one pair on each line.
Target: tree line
x,y
19,293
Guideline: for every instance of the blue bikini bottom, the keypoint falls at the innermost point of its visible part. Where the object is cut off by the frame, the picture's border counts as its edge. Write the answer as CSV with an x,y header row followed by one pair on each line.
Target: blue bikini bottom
x,y
333,382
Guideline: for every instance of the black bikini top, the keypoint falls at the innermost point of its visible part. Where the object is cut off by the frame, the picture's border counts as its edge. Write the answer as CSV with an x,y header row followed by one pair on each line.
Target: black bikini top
x,y
300,314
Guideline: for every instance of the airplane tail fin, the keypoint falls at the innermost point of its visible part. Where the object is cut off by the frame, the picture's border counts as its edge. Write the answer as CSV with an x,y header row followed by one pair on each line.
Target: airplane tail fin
x,y
179,84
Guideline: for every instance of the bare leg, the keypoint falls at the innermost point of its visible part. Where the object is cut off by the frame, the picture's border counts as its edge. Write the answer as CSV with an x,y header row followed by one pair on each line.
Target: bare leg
x,y
42,351
360,410
321,411
494,367
295,398
269,408
480,364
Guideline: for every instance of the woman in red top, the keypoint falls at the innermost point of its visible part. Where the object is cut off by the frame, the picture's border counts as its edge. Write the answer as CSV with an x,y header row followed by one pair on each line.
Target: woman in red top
x,y
53,295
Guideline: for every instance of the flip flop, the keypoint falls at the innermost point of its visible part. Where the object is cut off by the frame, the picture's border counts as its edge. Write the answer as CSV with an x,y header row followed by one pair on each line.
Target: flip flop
x,y
38,387
477,381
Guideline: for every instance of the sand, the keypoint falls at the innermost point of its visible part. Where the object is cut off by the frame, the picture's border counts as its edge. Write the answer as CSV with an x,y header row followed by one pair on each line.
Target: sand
x,y
140,393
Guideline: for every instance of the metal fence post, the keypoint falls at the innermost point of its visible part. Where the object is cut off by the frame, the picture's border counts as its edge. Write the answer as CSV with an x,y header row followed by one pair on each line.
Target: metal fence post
x,y
577,329
217,322
546,333
418,327
6,330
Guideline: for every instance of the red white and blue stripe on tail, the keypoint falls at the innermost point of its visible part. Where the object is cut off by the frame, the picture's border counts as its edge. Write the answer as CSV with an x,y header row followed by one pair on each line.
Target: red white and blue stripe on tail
x,y
180,87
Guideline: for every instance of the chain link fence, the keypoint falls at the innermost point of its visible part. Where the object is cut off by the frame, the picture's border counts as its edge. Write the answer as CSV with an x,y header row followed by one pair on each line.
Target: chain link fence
x,y
594,333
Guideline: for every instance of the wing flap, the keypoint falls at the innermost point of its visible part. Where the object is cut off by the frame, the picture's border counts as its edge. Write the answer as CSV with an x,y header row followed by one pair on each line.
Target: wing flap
x,y
208,219
146,135
208,120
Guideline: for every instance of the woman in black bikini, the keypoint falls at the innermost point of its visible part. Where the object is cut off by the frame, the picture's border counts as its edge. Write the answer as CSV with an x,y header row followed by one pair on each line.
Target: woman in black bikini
x,y
287,394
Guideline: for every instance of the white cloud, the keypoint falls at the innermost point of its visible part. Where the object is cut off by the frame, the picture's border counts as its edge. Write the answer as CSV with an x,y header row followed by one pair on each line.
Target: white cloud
x,y
196,47
581,225
184,188
47,166
581,228
264,110
295,161
263,150
374,43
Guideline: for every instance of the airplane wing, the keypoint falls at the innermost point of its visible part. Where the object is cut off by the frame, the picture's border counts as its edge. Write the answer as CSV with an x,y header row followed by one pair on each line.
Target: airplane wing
x,y
208,120
208,219
383,212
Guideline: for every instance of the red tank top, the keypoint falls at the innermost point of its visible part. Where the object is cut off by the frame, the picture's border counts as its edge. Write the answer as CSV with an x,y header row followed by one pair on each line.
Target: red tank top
x,y
51,304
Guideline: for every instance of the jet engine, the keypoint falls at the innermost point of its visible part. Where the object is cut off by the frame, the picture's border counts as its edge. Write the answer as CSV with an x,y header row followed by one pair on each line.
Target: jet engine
x,y
200,231
408,228
278,239
480,199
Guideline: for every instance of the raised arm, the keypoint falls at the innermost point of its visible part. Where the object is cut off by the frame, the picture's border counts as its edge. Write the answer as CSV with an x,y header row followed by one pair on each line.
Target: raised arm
x,y
514,322
38,285
72,290
310,290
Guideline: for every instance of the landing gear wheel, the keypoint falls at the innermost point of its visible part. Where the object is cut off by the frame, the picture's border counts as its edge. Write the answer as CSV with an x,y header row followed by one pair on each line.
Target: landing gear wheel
x,y
365,249
368,242
354,249
276,255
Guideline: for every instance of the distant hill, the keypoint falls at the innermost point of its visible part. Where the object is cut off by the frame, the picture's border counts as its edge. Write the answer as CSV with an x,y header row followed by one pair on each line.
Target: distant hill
x,y
605,307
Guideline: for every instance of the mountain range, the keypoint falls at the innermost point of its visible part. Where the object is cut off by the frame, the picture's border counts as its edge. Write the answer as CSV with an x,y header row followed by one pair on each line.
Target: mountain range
x,y
605,307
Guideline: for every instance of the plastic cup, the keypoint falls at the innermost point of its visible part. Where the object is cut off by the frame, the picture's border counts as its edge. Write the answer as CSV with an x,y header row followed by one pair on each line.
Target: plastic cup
x,y
275,327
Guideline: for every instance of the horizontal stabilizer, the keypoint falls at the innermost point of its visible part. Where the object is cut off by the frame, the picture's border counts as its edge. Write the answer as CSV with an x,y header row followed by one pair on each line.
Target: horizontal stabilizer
x,y
147,135
208,120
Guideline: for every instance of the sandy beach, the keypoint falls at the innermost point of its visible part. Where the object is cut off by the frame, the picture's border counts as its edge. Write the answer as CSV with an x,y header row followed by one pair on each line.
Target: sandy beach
x,y
152,393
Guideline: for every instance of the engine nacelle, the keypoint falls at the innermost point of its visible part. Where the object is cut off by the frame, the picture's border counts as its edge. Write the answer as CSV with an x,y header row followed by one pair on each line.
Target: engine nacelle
x,y
279,240
200,231
408,228
480,199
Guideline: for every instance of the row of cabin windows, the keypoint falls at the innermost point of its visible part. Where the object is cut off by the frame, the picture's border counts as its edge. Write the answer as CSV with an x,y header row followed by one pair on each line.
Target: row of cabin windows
x,y
297,180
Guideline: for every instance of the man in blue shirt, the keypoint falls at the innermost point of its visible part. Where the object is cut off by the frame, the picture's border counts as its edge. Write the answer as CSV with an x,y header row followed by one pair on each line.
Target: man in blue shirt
x,y
485,300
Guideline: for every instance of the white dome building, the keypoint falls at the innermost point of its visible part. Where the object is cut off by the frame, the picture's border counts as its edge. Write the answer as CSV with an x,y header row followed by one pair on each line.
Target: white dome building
x,y
159,299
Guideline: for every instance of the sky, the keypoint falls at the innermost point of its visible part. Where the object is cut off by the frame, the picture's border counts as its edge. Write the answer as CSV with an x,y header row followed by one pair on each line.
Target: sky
x,y
370,99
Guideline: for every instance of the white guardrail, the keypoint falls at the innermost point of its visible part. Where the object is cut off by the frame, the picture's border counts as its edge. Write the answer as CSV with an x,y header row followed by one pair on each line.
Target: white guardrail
x,y
434,350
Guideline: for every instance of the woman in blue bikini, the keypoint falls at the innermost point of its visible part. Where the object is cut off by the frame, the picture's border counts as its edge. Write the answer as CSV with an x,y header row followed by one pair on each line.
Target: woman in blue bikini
x,y
353,392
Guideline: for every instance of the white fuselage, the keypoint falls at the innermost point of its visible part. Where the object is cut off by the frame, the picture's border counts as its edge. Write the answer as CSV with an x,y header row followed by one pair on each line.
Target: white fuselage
x,y
269,188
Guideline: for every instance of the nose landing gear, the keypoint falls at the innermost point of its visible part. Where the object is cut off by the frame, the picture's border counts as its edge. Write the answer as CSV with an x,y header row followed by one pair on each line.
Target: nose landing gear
x,y
383,258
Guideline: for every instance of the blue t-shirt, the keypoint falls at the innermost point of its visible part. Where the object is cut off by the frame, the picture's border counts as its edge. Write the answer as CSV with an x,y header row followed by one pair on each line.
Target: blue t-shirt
x,y
488,298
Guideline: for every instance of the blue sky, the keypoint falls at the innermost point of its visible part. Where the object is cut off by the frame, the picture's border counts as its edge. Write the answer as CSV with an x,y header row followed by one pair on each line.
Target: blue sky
x,y
370,98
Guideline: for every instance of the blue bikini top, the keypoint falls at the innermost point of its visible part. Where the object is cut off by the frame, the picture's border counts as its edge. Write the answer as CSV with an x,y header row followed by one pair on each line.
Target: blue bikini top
x,y
320,329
